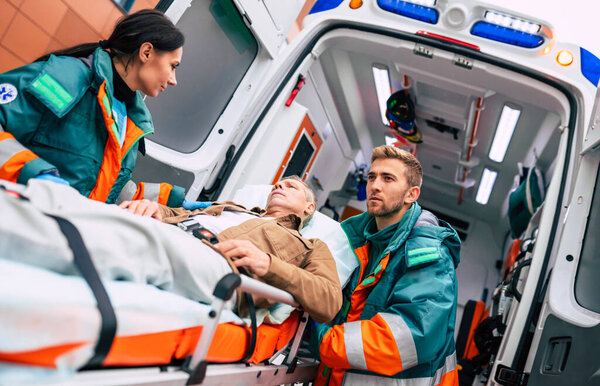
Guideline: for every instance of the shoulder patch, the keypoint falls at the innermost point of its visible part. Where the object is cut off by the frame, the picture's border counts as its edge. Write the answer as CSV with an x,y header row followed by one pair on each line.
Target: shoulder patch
x,y
418,253
55,95
8,93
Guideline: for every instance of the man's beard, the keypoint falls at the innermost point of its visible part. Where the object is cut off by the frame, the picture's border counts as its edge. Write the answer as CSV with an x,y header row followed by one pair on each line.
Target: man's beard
x,y
388,210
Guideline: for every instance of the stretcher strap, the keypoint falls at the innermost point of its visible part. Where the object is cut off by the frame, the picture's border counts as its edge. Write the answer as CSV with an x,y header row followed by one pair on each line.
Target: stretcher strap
x,y
85,265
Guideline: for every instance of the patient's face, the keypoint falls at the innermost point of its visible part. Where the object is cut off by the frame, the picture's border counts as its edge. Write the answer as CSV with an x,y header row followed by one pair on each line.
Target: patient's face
x,y
288,195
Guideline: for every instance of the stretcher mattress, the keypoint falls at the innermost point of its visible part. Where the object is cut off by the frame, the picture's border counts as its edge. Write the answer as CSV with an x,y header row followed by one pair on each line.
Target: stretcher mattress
x,y
50,321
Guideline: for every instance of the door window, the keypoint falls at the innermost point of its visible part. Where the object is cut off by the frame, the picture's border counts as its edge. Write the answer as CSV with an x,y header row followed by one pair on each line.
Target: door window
x,y
587,285
218,51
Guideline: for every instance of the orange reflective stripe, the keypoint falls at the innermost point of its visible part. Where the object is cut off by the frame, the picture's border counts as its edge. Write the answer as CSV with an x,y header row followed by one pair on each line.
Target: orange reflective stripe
x,y
111,162
5,135
380,347
139,193
450,378
12,167
165,191
333,349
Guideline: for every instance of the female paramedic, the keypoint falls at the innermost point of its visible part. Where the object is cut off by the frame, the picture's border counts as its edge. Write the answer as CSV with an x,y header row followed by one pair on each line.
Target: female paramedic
x,y
77,116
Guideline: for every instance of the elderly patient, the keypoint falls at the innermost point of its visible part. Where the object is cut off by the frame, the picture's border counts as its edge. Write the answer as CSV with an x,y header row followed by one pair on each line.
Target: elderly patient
x,y
265,244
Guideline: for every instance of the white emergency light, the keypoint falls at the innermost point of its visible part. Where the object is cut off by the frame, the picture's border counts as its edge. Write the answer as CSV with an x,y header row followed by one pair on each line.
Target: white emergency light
x,y
511,22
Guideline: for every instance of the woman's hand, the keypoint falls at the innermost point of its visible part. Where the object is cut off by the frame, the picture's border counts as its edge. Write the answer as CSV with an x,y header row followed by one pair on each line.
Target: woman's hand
x,y
143,207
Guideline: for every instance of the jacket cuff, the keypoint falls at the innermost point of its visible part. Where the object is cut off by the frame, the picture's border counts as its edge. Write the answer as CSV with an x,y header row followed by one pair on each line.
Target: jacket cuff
x,y
32,169
279,273
176,197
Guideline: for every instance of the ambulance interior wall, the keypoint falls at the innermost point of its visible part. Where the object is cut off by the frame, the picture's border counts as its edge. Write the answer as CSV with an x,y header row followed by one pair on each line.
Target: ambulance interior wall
x,y
335,158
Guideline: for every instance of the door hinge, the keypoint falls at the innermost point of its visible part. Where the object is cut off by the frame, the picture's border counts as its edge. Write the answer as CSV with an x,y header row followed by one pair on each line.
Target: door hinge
x,y
509,377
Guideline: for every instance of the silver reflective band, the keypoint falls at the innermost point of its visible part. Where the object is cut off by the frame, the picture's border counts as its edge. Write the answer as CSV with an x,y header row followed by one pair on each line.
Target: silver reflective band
x,y
151,191
354,345
403,338
127,192
8,148
374,380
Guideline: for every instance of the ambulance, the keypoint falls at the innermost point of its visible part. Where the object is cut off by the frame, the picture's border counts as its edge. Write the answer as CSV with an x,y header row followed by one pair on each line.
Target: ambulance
x,y
502,115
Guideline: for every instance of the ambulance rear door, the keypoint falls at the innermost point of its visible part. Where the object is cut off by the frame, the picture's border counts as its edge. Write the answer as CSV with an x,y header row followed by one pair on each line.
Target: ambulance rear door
x,y
566,340
230,45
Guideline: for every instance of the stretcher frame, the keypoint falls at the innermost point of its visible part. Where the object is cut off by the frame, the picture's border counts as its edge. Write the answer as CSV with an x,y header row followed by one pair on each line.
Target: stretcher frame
x,y
195,371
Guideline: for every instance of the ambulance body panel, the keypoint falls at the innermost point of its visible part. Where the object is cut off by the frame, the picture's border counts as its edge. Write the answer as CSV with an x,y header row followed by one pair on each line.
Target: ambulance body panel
x,y
460,83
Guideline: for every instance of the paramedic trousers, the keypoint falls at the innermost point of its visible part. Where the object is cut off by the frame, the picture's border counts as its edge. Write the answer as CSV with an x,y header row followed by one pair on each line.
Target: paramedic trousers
x,y
122,246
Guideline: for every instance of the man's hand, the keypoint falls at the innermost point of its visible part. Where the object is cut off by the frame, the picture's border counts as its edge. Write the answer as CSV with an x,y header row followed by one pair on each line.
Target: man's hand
x,y
244,253
143,208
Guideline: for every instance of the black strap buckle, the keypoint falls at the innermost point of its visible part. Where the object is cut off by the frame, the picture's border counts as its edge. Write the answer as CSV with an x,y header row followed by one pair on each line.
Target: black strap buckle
x,y
509,377
191,225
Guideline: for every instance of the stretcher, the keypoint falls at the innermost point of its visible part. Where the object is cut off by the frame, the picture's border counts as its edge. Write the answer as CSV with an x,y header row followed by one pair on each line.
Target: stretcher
x,y
52,326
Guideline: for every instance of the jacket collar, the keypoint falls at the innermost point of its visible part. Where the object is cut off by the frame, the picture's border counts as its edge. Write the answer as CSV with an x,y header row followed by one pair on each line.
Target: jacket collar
x,y
354,228
136,108
290,221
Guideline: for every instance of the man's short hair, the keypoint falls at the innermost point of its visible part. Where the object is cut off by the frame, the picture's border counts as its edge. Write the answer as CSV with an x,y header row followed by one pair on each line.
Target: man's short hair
x,y
308,194
414,171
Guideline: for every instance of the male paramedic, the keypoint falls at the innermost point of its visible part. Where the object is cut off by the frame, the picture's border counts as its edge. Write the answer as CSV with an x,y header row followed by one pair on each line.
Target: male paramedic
x,y
142,250
396,326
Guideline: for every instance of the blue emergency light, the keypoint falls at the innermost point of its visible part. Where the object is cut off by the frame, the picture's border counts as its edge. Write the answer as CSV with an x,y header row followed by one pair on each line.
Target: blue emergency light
x,y
506,35
411,10
590,66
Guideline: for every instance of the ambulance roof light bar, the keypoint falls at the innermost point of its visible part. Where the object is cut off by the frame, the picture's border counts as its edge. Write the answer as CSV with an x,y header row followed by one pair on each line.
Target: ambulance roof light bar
x,y
381,76
506,127
486,185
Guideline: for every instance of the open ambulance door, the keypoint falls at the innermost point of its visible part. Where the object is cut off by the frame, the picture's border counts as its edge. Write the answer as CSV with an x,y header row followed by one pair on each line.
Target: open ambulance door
x,y
567,335
564,346
229,49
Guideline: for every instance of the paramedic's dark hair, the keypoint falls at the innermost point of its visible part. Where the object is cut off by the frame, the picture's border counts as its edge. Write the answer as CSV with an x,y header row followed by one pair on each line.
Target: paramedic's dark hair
x,y
414,172
309,195
131,31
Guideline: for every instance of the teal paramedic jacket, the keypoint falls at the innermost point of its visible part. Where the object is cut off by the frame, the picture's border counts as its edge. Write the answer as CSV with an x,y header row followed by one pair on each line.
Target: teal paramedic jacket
x,y
398,320
57,115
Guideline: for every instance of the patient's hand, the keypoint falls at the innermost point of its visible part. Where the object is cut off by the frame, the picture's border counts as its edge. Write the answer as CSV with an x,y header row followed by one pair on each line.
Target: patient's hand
x,y
244,253
143,208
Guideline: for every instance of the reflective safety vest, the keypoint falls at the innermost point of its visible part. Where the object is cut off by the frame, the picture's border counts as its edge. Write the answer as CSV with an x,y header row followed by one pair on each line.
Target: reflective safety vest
x,y
57,115
397,323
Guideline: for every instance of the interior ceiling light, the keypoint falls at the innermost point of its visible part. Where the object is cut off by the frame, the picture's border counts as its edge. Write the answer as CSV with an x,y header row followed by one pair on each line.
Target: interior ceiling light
x,y
383,87
504,131
512,22
486,185
564,58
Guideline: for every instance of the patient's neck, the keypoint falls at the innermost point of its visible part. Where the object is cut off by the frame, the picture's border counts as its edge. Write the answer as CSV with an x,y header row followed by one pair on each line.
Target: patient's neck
x,y
275,211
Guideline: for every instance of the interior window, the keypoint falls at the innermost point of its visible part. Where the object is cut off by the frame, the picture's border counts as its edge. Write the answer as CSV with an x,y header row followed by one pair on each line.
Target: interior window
x,y
587,285
218,51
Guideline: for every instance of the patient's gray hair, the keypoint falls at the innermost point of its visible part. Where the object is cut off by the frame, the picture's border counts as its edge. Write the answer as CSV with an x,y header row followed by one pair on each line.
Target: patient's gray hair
x,y
308,194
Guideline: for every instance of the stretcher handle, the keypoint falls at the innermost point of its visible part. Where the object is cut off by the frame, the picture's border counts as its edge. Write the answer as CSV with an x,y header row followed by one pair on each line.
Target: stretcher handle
x,y
261,289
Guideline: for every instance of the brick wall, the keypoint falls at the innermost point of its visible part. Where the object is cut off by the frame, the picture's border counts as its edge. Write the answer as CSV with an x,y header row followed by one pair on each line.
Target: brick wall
x,y
32,28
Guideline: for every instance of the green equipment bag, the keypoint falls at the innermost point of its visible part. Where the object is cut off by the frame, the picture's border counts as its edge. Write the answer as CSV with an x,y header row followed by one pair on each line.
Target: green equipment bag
x,y
524,201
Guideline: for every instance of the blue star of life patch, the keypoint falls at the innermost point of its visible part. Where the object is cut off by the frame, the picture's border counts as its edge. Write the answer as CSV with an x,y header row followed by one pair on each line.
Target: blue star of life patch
x,y
8,93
